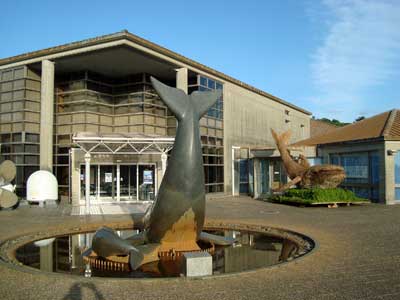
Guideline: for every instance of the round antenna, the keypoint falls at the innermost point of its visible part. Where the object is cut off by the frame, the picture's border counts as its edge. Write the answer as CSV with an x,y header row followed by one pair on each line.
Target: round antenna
x,y
7,199
7,171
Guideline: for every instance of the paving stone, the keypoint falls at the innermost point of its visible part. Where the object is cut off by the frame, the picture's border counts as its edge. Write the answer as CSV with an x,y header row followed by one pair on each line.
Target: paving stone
x,y
358,256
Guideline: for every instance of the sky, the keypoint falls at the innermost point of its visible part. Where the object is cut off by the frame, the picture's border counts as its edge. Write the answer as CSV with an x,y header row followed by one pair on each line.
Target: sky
x,y
335,58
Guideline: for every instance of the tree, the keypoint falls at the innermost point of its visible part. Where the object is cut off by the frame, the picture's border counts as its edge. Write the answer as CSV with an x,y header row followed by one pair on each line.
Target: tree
x,y
333,122
359,119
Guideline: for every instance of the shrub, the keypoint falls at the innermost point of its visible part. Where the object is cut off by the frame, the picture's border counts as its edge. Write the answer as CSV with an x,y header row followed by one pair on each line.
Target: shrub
x,y
317,195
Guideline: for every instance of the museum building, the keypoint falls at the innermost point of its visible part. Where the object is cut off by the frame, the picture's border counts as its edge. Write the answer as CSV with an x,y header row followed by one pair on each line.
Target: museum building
x,y
90,105
369,151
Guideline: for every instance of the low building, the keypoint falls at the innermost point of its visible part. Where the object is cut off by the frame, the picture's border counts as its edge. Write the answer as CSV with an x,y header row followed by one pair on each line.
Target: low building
x,y
90,105
369,151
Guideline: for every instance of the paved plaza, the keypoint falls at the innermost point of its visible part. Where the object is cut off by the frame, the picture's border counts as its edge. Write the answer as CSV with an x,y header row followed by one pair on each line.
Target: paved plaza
x,y
357,256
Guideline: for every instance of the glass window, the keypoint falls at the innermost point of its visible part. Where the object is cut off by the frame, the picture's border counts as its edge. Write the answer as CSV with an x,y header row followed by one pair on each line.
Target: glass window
x,y
397,194
31,159
264,183
334,159
192,80
5,138
203,81
356,167
397,168
315,161
244,170
17,137
218,86
374,161
211,84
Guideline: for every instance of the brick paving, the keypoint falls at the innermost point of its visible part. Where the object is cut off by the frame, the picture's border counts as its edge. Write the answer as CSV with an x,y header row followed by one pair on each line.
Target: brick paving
x,y
357,257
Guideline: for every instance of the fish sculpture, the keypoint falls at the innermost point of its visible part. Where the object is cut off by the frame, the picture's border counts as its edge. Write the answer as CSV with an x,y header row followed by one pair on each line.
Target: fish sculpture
x,y
176,220
301,173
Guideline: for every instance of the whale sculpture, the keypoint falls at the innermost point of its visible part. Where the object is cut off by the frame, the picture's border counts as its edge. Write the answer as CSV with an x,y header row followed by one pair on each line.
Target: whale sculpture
x,y
175,222
301,173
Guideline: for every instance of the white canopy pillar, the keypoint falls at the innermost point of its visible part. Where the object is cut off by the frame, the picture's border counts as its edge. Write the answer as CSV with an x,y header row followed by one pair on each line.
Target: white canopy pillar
x,y
87,183
163,163
118,181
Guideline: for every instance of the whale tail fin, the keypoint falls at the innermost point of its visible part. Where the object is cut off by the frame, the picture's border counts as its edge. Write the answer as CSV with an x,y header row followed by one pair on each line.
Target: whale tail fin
x,y
177,100
204,100
283,139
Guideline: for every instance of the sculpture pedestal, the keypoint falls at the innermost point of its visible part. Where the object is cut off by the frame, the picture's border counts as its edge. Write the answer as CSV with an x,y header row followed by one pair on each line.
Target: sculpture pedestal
x,y
197,264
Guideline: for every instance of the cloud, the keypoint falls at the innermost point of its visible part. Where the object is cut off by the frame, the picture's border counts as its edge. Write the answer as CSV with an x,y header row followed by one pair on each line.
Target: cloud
x,y
360,51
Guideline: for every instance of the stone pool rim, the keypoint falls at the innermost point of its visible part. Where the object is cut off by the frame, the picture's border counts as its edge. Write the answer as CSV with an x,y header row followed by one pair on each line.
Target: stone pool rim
x,y
9,246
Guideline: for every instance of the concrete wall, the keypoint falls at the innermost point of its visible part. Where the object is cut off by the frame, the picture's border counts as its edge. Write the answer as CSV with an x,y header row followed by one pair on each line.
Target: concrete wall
x,y
389,171
326,150
248,118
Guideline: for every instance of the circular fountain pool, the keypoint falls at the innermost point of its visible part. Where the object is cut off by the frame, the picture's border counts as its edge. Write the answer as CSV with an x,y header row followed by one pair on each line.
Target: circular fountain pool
x,y
252,250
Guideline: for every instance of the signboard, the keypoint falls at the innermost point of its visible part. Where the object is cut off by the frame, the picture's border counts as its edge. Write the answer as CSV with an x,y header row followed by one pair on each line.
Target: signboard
x,y
107,177
147,177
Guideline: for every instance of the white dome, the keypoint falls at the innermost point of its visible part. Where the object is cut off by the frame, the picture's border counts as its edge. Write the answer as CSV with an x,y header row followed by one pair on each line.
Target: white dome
x,y
41,186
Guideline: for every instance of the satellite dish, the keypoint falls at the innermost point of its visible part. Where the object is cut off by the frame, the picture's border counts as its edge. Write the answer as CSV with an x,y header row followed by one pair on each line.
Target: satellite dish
x,y
7,174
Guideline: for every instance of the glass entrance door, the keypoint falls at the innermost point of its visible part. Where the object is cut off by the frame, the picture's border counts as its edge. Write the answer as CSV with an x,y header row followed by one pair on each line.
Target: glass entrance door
x,y
264,177
93,181
128,189
136,182
107,185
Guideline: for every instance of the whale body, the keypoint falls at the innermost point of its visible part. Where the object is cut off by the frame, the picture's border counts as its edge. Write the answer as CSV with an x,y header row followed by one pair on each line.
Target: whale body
x,y
176,219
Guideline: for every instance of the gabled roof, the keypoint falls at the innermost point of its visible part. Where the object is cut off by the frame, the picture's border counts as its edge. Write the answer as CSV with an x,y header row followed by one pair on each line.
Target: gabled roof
x,y
385,126
125,35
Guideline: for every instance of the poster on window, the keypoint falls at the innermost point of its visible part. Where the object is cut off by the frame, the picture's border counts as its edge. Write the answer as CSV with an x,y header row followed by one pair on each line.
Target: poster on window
x,y
107,177
147,177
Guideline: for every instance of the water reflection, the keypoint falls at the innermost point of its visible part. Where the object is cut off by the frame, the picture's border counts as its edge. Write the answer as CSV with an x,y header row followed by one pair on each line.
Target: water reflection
x,y
63,255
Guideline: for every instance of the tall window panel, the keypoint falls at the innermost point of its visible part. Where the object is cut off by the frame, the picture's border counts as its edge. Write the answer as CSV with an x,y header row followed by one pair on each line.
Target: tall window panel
x,y
19,121
397,176
362,172
212,134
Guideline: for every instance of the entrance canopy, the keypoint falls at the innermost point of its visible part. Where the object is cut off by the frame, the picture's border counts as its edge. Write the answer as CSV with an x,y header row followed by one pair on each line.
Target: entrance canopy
x,y
118,143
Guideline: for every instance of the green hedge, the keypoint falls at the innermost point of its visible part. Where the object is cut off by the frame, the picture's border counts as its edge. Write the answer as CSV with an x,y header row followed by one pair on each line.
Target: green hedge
x,y
310,196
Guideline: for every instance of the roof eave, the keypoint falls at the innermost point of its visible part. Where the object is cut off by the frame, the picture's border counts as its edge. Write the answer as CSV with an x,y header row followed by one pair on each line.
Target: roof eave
x,y
136,39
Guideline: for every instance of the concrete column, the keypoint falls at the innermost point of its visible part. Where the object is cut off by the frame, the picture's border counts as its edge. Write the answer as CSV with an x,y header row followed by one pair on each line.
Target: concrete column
x,y
118,181
75,177
389,175
46,116
87,183
182,79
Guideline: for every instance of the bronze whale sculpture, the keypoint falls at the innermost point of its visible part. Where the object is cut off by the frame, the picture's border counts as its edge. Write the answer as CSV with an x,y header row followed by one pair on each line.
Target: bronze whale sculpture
x,y
176,220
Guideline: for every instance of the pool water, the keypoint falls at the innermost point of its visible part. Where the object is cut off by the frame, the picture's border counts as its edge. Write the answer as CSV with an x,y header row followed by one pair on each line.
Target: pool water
x,y
252,250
